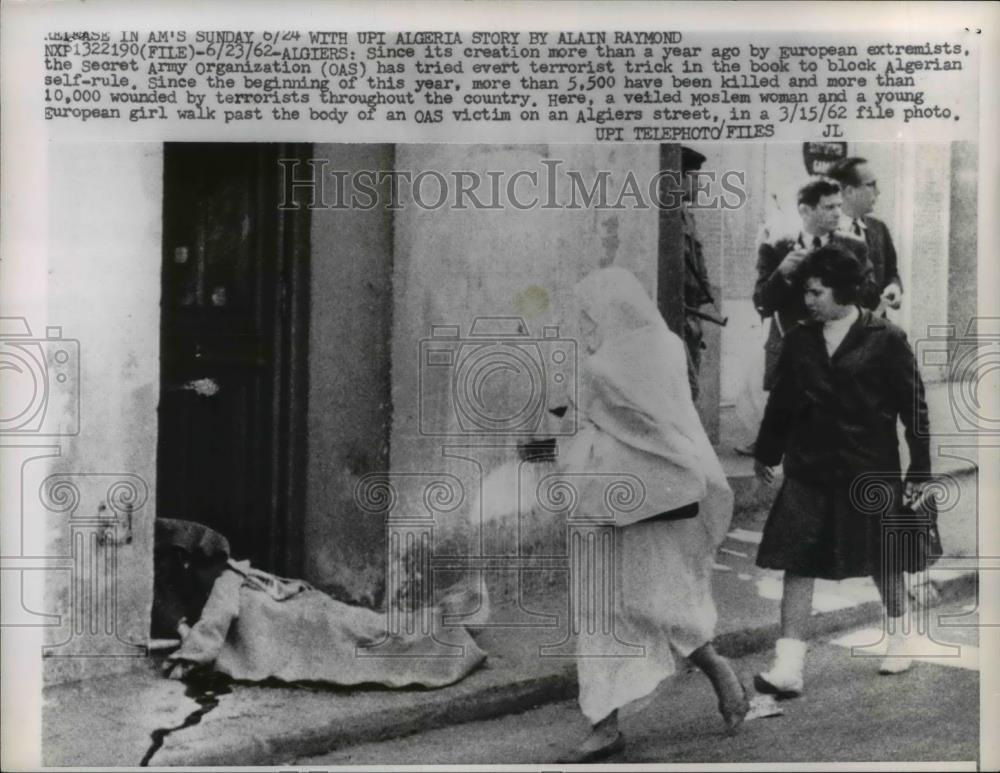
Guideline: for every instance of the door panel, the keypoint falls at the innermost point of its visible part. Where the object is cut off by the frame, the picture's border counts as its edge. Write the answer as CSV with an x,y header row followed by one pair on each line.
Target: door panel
x,y
233,331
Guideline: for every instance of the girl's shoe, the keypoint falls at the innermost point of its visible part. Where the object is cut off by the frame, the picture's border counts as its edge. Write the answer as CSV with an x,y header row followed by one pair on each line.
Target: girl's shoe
x,y
780,689
897,659
784,680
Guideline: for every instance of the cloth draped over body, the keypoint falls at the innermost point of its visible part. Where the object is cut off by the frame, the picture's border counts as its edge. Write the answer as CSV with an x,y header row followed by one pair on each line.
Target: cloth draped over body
x,y
255,626
636,416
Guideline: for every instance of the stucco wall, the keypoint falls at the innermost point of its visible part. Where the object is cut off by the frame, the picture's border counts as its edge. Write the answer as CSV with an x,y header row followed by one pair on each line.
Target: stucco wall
x,y
349,405
454,266
104,258
962,262
923,243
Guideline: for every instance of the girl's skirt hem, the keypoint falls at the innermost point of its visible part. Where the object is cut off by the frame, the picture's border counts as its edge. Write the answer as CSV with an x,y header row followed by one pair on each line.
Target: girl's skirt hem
x,y
822,531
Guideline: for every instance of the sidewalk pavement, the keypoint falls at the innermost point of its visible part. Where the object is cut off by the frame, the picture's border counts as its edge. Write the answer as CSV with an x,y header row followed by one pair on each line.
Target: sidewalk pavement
x,y
143,718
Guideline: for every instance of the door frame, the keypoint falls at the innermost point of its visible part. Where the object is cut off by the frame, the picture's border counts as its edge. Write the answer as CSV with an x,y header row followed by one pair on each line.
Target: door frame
x,y
291,379
283,518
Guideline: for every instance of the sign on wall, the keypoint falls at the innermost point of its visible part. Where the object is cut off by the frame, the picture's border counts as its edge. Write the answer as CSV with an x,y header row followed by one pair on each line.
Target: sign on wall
x,y
819,156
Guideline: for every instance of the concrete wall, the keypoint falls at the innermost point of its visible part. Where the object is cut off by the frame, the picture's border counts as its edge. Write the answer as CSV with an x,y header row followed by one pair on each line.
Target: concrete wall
x,y
349,404
453,266
962,263
105,215
924,239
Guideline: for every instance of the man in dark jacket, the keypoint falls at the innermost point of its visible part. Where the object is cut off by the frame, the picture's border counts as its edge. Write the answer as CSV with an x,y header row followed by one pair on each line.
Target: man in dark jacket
x,y
777,294
860,192
696,292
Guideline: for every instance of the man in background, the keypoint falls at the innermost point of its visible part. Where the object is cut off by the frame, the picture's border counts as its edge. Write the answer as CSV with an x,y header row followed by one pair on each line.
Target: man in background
x,y
860,192
777,294
696,287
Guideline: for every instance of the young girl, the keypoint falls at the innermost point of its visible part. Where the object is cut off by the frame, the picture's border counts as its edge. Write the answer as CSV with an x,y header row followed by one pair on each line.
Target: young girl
x,y
844,378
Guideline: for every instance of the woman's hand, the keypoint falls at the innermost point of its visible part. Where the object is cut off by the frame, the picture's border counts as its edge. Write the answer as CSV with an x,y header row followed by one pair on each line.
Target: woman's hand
x,y
893,295
538,450
791,262
178,669
912,490
764,473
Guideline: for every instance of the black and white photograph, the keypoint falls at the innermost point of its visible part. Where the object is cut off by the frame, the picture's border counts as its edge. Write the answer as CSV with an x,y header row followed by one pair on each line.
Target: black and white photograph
x,y
331,451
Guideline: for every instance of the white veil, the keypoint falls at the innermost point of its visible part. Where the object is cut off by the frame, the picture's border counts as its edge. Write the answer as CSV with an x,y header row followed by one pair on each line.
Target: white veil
x,y
634,389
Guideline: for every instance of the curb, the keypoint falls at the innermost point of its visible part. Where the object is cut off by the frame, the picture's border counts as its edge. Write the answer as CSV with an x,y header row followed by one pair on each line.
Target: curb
x,y
386,725
512,698
738,644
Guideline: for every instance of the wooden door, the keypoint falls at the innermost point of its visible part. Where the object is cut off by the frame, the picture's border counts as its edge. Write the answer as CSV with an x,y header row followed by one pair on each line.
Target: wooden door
x,y
233,349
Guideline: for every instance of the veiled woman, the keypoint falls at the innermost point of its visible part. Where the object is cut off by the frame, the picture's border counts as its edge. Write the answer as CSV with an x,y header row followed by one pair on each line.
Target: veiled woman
x,y
635,416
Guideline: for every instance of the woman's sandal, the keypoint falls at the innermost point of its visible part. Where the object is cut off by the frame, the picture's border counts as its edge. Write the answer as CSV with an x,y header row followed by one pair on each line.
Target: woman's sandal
x,y
734,712
583,756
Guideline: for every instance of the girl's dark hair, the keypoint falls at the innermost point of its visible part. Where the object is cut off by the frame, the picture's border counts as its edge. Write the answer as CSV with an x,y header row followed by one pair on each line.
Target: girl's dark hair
x,y
838,269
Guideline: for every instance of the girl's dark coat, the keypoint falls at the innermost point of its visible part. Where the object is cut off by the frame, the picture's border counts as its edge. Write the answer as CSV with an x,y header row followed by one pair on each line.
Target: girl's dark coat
x,y
833,418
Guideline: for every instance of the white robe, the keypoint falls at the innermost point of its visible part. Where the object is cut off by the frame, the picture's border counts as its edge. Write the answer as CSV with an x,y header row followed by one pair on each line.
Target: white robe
x,y
636,417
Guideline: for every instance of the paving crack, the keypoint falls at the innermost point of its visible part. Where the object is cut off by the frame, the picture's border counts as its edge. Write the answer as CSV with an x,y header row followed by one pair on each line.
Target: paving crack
x,y
206,695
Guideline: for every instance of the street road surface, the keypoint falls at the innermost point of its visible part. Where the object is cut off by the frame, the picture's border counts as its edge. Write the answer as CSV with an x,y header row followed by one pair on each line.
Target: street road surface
x,y
848,713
